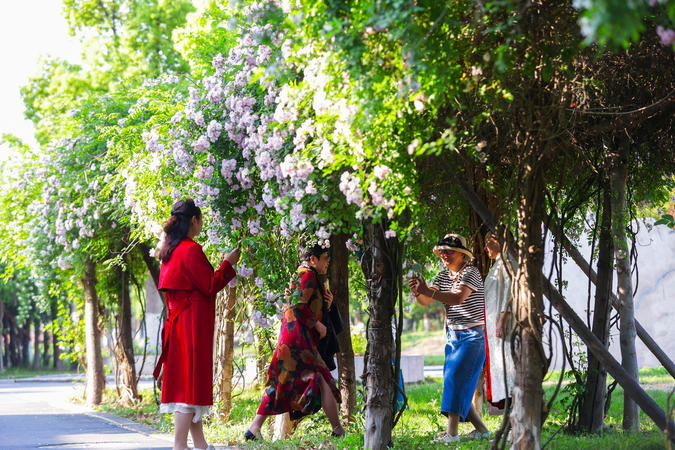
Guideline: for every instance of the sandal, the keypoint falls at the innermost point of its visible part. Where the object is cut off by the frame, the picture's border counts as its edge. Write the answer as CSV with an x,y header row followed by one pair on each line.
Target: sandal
x,y
252,437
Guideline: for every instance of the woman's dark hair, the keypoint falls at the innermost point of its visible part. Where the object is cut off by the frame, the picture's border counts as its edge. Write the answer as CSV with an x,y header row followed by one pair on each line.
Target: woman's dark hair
x,y
176,228
314,250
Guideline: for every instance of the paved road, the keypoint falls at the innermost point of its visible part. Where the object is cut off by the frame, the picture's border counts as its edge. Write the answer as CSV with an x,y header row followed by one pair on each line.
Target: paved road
x,y
38,415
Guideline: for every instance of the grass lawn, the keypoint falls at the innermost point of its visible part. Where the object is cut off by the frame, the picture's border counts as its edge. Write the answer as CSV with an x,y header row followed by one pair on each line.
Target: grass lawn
x,y
23,372
434,360
416,429
653,375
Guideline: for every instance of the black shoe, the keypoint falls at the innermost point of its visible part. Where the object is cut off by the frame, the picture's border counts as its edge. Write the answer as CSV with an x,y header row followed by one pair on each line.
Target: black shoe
x,y
250,436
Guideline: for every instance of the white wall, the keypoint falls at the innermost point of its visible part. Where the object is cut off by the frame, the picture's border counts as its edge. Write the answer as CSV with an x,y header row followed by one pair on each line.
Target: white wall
x,y
654,300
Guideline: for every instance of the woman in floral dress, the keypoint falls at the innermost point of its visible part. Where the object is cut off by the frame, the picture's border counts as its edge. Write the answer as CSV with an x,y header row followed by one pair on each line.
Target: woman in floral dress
x,y
299,381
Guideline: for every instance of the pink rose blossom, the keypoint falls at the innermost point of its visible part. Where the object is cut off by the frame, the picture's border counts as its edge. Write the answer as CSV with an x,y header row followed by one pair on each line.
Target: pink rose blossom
x,y
667,35
351,245
381,171
227,168
413,145
201,144
213,130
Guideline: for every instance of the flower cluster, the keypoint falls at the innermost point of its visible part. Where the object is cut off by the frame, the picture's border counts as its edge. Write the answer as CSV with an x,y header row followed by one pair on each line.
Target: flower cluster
x,y
263,152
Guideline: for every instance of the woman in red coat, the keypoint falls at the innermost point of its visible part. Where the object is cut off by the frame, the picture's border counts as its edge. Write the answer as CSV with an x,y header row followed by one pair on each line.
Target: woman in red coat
x,y
190,286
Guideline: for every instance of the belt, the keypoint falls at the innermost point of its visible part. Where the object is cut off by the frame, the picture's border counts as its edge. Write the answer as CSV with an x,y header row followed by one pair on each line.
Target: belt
x,y
166,332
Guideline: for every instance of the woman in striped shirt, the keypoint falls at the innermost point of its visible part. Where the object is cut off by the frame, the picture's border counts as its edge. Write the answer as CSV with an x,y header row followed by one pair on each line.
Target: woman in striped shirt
x,y
460,288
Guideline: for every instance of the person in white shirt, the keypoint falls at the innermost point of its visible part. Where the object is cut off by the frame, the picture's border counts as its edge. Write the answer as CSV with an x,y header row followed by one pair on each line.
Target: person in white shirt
x,y
498,324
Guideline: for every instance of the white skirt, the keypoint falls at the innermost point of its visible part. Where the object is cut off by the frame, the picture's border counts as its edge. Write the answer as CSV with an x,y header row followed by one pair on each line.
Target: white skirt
x,y
199,411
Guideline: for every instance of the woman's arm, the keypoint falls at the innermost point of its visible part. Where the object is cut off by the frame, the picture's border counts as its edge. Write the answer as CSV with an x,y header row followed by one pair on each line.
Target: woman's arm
x,y
305,315
447,298
308,285
424,300
425,294
206,280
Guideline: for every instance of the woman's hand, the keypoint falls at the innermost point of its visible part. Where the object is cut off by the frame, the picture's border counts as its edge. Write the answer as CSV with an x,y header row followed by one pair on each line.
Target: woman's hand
x,y
328,298
422,287
503,324
420,290
321,328
233,256
414,284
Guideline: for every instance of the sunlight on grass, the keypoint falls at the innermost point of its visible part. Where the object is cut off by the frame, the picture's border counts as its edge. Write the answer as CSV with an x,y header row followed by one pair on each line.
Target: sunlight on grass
x,y
648,375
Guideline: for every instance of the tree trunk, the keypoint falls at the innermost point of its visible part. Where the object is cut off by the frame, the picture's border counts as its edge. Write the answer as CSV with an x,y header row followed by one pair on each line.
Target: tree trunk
x,y
282,426
262,360
45,348
57,362
379,380
225,351
592,414
5,340
36,344
2,337
124,347
618,177
95,375
339,285
14,345
529,308
25,344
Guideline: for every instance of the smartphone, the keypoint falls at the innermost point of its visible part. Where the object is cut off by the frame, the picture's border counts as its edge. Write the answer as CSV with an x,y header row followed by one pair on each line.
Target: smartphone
x,y
417,271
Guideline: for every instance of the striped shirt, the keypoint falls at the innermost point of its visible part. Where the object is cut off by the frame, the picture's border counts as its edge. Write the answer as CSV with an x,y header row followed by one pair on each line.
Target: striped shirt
x,y
471,312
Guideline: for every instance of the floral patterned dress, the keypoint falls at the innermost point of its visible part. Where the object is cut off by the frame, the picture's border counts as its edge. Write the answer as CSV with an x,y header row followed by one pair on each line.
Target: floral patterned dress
x,y
294,385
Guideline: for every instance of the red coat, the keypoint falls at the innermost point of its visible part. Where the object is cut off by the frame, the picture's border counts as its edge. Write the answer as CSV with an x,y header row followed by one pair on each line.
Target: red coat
x,y
190,286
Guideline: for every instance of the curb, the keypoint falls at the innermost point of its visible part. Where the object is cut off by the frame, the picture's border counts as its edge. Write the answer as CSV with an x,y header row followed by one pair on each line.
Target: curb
x,y
130,425
65,378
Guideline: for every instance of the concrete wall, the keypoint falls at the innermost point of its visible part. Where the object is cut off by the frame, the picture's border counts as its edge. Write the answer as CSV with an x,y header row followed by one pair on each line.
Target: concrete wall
x,y
655,297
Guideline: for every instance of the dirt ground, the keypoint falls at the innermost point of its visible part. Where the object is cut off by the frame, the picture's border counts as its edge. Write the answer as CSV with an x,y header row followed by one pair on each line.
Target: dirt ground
x,y
429,346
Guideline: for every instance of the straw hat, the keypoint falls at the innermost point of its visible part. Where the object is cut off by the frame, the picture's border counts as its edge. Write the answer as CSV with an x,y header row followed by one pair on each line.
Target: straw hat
x,y
453,242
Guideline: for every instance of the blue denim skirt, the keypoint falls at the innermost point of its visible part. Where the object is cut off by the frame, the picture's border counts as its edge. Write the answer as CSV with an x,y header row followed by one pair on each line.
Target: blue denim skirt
x,y
464,358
